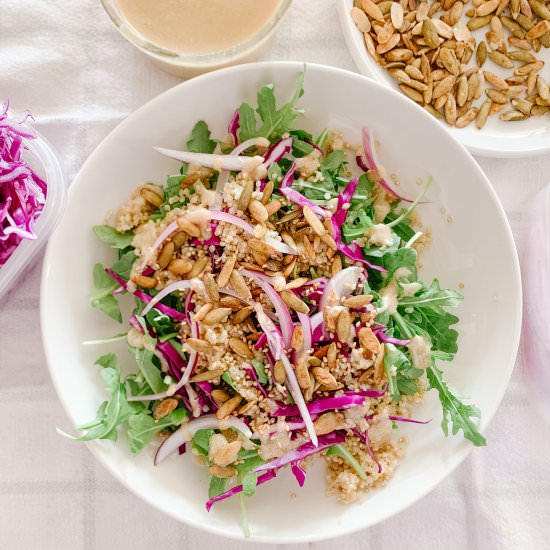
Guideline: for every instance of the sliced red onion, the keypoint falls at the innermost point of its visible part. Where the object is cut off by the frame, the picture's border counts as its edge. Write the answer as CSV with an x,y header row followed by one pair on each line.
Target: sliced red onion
x,y
200,216
173,287
278,151
297,198
272,334
207,422
232,163
283,313
341,285
298,472
211,422
305,450
146,257
370,153
318,327
169,446
261,341
238,489
224,174
233,128
296,393
322,405
173,313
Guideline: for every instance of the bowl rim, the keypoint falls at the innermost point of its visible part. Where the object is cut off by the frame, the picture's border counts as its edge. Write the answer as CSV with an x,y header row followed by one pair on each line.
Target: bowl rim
x,y
457,457
365,65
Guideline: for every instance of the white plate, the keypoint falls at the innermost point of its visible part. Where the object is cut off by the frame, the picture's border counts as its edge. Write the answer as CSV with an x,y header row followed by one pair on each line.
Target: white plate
x,y
497,138
475,249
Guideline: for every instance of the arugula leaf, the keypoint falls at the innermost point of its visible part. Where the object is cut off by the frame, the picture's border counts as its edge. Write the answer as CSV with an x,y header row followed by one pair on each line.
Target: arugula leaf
x,y
172,187
356,224
247,122
321,139
151,373
404,257
101,297
143,427
404,228
216,487
274,172
333,161
343,452
249,481
200,141
275,122
123,266
112,237
456,414
226,377
432,297
433,322
249,464
402,376
259,367
301,143
201,441
114,412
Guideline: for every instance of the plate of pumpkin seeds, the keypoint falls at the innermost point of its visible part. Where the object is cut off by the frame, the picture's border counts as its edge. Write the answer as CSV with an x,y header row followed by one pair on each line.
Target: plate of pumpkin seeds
x,y
481,67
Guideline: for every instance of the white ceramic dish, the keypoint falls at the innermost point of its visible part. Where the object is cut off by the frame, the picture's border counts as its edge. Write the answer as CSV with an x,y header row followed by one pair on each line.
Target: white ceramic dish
x,y
497,138
476,250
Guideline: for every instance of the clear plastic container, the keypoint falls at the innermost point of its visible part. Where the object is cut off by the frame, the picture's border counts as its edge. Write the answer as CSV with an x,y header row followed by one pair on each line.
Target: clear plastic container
x,y
42,158
535,255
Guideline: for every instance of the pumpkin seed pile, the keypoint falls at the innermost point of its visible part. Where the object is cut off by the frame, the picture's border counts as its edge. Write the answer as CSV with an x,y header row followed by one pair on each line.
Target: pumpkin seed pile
x,y
430,50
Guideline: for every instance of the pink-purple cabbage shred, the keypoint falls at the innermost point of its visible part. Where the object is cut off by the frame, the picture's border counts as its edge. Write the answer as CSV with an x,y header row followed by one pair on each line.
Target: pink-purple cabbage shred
x,y
22,191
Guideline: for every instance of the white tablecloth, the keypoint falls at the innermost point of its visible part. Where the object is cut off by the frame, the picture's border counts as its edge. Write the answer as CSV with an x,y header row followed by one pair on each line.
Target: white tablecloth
x,y
63,60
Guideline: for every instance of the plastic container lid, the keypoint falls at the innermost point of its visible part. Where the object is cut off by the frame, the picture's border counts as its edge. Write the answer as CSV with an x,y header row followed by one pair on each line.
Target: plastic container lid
x,y
42,158
536,315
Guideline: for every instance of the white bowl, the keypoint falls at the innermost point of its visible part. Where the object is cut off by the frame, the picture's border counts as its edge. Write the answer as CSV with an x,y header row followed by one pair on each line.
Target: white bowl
x,y
496,138
476,249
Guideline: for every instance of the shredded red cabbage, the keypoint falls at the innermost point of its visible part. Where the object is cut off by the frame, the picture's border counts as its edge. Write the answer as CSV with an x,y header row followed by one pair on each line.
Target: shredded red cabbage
x,y
22,191
238,489
305,450
353,250
364,437
383,337
318,406
298,472
251,372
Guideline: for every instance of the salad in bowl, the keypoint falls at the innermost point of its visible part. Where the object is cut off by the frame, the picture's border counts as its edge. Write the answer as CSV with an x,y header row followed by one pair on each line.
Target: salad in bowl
x,y
277,312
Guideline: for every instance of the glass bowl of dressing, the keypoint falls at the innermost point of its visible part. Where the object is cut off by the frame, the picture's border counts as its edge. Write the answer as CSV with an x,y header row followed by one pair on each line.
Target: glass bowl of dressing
x,y
189,37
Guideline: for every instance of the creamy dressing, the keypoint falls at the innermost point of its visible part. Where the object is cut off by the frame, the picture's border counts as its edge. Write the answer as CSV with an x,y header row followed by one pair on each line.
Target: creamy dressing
x,y
198,26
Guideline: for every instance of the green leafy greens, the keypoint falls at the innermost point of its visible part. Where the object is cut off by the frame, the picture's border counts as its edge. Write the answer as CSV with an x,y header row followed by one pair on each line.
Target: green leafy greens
x,y
274,122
